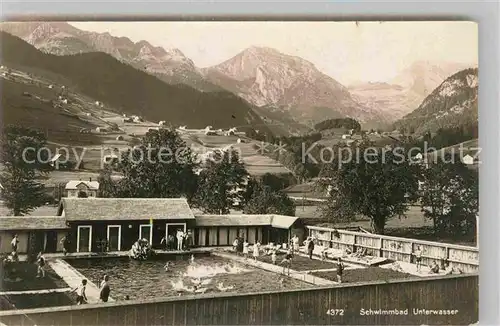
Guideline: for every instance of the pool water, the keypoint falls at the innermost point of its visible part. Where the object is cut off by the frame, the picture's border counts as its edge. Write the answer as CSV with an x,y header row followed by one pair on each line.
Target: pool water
x,y
206,274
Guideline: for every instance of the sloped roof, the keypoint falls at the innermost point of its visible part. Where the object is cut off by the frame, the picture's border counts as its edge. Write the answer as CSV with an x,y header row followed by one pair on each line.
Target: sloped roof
x,y
72,185
277,221
283,221
232,220
124,208
32,223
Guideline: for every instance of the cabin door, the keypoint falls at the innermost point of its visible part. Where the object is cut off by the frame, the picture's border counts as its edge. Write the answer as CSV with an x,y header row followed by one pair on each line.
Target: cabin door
x,y
84,238
146,232
114,237
51,245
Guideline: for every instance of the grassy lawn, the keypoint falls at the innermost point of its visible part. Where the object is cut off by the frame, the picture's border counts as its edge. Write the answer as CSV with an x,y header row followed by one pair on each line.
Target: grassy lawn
x,y
21,276
364,275
46,210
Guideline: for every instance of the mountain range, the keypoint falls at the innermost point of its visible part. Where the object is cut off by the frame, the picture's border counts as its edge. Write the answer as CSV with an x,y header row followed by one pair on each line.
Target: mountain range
x,y
273,83
265,77
404,93
453,103
128,90
61,38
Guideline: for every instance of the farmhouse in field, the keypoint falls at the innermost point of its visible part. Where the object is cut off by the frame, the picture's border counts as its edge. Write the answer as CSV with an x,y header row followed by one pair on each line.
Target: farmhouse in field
x,y
55,160
468,159
136,118
110,158
75,189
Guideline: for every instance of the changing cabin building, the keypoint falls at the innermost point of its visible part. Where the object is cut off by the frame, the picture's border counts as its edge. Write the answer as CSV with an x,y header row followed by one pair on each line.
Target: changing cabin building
x,y
119,222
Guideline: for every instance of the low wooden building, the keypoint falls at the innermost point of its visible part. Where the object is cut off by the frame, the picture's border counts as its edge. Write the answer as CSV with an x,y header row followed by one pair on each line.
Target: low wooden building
x,y
121,221
42,233
221,230
114,224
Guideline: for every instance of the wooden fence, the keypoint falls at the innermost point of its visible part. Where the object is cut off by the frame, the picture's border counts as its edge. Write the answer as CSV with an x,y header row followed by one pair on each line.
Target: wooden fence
x,y
400,249
453,300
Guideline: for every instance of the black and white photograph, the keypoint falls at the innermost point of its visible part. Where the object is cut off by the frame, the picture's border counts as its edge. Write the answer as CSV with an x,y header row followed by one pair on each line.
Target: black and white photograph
x,y
204,172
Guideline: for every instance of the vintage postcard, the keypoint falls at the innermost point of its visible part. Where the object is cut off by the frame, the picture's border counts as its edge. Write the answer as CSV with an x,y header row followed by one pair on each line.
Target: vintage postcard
x,y
239,173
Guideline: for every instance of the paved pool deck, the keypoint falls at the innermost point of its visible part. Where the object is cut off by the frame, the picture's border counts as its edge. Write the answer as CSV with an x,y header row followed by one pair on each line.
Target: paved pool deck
x,y
74,278
301,276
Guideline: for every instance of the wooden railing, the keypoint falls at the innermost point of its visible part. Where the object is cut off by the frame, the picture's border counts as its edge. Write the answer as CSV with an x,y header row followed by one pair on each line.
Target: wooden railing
x,y
400,249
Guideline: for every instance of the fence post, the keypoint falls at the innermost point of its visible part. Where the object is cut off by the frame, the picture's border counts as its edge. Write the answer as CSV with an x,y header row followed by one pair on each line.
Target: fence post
x,y
354,244
380,248
412,251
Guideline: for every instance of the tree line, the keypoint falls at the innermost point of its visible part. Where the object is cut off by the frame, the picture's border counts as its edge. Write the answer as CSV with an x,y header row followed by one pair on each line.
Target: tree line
x,y
382,186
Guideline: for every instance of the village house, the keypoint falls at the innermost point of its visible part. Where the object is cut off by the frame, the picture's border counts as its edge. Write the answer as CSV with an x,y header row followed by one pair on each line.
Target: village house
x,y
82,188
468,159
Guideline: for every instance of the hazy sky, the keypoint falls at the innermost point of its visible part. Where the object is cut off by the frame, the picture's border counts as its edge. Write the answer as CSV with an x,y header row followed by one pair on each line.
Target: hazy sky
x,y
371,51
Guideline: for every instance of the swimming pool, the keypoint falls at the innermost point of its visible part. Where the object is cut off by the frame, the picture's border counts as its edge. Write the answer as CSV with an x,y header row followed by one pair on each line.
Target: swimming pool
x,y
207,274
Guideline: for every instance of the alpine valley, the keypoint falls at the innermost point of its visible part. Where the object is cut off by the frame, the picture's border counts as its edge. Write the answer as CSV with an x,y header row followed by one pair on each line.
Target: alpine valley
x,y
283,90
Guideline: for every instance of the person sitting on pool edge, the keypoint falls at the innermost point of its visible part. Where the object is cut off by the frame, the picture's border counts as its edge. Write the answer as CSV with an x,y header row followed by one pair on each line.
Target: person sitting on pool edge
x,y
434,268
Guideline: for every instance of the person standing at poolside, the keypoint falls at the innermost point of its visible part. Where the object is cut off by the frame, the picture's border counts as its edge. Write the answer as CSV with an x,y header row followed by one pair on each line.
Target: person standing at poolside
x,y
340,270
65,243
14,243
81,296
273,257
310,248
287,262
189,240
164,242
256,250
245,249
418,258
105,289
235,245
180,238
239,247
295,243
41,264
